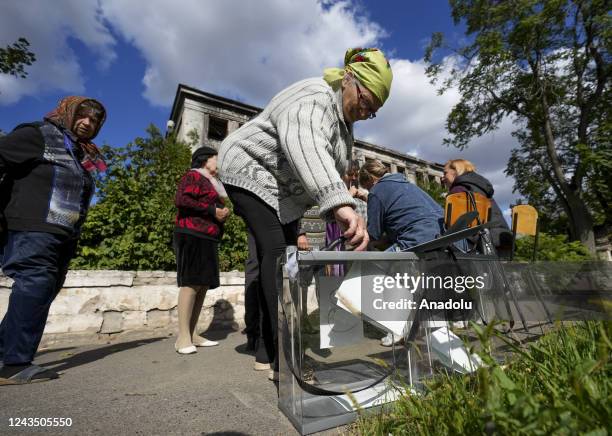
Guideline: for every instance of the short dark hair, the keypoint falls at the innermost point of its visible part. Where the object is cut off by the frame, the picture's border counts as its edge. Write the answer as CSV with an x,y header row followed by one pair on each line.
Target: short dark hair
x,y
353,168
201,155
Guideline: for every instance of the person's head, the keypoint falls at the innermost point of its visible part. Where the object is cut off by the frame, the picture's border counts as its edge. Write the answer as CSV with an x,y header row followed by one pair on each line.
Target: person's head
x,y
358,103
81,115
205,157
371,172
365,80
352,173
88,118
454,168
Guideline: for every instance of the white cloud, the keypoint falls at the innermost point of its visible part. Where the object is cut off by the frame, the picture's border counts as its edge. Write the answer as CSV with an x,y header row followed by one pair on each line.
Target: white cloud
x,y
241,49
47,26
247,50
413,121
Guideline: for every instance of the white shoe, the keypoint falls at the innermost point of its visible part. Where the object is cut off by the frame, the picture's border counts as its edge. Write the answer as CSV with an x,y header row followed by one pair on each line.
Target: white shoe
x,y
261,366
390,339
186,350
206,343
273,376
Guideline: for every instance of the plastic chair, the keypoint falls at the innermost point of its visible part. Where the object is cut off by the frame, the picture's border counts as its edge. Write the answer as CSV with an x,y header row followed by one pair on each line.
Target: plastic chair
x,y
460,203
525,222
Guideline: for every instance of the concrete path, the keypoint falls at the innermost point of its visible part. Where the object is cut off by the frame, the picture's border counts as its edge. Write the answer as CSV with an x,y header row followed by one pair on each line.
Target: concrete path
x,y
145,387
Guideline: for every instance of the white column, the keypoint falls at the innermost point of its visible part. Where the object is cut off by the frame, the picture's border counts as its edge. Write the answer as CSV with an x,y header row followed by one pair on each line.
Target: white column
x,y
193,121
232,125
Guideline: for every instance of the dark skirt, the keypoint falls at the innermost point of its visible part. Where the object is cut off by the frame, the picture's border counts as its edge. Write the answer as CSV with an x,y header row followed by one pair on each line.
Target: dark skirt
x,y
197,261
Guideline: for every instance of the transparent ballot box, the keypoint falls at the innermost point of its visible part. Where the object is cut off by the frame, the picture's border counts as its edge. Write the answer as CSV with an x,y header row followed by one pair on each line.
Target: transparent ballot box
x,y
334,309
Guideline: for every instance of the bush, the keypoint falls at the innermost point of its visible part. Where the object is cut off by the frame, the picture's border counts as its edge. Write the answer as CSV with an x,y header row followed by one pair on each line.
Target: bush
x,y
435,191
561,385
551,248
131,225
234,248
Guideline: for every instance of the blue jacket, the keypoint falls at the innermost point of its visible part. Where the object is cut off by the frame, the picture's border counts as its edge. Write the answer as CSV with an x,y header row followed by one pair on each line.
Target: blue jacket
x,y
403,211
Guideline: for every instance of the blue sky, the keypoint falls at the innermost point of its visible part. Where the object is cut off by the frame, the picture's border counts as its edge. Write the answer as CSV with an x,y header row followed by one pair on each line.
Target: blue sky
x,y
131,55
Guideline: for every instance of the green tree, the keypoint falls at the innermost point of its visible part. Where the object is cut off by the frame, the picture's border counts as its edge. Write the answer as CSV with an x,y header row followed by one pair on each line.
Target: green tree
x,y
15,57
234,248
131,225
435,191
551,248
545,64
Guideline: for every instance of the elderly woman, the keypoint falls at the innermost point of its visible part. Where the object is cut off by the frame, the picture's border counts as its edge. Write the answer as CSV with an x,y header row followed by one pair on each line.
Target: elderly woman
x,y
198,228
46,168
460,176
291,156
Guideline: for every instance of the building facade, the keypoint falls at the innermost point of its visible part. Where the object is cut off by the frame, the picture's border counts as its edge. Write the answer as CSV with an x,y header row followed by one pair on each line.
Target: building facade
x,y
212,118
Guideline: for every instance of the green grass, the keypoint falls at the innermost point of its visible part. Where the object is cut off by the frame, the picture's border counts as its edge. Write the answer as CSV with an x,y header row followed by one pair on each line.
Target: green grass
x,y
560,385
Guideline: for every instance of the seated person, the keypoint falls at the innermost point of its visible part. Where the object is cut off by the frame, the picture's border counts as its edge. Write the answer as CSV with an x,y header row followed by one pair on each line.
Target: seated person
x,y
402,211
460,176
398,208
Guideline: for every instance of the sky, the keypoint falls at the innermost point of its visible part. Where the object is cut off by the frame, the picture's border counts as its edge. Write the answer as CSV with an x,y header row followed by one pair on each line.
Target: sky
x,y
131,55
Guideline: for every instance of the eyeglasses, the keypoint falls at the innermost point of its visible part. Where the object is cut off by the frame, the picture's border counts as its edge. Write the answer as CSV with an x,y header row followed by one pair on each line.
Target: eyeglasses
x,y
363,103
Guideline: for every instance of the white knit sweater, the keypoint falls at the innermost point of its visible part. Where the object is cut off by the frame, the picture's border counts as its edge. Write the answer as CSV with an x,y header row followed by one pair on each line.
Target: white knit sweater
x,y
293,153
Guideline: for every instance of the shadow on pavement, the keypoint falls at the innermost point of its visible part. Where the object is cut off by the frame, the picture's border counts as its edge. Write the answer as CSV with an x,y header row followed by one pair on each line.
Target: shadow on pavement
x,y
96,354
217,334
223,312
242,349
53,350
226,433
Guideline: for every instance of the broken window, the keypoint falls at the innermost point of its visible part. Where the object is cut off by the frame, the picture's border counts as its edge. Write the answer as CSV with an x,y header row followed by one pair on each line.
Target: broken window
x,y
217,128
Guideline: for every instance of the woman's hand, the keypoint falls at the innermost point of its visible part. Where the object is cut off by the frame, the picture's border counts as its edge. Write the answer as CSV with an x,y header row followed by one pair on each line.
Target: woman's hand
x,y
355,233
222,214
302,243
358,193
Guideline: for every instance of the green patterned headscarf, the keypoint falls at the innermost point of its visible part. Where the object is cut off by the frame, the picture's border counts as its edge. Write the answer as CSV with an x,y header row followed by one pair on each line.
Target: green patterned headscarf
x,y
369,66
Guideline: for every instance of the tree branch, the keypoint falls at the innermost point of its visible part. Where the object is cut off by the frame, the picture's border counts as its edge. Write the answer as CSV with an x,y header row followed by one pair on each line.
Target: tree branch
x,y
506,103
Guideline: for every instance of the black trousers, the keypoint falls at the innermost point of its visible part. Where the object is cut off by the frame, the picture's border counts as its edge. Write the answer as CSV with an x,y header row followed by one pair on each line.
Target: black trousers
x,y
252,309
271,240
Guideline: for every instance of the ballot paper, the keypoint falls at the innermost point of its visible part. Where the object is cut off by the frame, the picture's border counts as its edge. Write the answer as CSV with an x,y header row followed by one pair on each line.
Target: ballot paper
x,y
349,298
377,395
449,349
338,327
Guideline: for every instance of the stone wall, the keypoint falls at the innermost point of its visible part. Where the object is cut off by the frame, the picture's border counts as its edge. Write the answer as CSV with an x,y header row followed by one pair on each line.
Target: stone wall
x,y
102,306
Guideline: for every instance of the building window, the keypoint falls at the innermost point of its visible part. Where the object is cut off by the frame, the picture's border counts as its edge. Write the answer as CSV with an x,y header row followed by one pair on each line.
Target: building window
x,y
401,170
217,128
